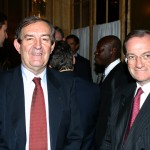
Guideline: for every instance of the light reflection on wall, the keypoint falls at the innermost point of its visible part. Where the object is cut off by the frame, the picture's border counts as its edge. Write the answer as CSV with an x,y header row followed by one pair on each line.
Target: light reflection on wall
x,y
39,8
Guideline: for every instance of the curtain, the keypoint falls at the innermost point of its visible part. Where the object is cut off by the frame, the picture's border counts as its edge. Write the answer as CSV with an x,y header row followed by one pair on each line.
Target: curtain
x,y
112,28
83,35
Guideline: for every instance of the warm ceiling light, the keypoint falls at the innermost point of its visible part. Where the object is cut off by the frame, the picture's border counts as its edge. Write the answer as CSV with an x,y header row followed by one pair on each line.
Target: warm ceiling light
x,y
39,8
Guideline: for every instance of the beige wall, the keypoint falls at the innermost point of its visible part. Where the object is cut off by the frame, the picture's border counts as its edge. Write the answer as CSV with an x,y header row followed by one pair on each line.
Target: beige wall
x,y
59,13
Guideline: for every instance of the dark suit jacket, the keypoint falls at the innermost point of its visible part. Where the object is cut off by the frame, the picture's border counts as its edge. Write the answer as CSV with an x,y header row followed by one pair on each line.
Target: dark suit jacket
x,y
118,76
139,135
65,127
82,68
88,98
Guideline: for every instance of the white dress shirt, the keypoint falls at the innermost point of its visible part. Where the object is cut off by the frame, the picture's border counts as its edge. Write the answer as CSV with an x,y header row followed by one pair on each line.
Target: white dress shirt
x,y
146,91
110,67
28,92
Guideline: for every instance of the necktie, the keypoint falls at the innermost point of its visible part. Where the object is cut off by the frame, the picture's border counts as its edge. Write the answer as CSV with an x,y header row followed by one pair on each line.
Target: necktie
x,y
102,78
38,126
136,106
135,111
98,78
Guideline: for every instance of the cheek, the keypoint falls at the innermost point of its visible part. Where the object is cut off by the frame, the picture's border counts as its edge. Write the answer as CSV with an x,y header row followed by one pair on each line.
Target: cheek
x,y
98,59
131,68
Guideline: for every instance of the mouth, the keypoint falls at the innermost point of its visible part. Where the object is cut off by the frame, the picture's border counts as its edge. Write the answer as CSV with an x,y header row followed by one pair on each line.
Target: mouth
x,y
37,53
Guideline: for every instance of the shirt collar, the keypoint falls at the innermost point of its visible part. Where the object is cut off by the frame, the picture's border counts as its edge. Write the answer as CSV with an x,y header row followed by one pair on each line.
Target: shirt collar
x,y
145,88
111,66
28,76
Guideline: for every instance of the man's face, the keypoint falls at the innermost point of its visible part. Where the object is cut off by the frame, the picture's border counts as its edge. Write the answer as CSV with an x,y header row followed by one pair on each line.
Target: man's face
x,y
138,54
58,36
103,52
72,44
3,33
35,46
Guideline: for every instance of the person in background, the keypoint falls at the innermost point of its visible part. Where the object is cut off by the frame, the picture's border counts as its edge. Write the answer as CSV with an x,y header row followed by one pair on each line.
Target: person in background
x,y
129,125
88,93
9,58
107,55
59,34
32,90
82,66
3,28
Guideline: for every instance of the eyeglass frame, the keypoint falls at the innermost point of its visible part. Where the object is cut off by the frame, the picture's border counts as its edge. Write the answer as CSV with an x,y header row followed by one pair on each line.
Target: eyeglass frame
x,y
131,58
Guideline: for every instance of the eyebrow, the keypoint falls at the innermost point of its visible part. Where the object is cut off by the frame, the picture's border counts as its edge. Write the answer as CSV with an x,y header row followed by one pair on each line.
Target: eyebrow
x,y
141,54
30,35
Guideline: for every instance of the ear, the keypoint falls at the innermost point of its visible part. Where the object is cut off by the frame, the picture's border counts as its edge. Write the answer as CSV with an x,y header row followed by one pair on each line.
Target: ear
x,y
74,59
52,47
126,60
113,51
17,45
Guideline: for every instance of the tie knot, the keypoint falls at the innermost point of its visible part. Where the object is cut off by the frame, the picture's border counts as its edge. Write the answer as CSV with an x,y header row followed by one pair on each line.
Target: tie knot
x,y
139,92
37,81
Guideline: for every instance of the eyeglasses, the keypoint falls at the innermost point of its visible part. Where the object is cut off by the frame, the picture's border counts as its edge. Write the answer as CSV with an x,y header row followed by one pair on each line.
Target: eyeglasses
x,y
131,59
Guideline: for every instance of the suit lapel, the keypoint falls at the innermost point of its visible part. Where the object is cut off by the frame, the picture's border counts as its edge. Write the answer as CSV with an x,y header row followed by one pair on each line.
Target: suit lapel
x,y
17,113
140,123
55,107
125,108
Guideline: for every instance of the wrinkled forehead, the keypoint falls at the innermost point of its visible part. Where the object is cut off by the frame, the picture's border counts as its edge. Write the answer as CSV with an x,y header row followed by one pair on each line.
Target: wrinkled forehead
x,y
36,28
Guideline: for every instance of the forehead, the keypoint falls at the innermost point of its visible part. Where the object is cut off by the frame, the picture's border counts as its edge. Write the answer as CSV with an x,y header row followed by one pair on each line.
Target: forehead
x,y
39,27
70,40
57,33
104,41
138,44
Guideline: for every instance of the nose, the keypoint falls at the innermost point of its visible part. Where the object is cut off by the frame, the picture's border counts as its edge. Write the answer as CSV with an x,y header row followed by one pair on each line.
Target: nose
x,y
139,62
37,43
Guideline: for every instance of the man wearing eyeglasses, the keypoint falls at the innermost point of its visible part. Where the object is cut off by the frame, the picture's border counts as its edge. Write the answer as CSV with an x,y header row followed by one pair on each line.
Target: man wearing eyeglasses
x,y
129,124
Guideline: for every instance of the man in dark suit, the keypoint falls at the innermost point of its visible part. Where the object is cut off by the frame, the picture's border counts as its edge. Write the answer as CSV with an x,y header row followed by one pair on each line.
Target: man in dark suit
x,y
88,93
107,55
121,134
82,66
34,41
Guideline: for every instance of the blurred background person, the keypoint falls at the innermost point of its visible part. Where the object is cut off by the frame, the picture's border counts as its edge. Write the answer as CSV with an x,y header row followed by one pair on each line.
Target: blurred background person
x,y
59,34
9,58
88,93
3,28
107,54
82,66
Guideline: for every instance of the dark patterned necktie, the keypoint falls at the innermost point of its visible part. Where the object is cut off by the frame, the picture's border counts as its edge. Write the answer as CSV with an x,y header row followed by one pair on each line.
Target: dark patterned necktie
x,y
38,126
102,79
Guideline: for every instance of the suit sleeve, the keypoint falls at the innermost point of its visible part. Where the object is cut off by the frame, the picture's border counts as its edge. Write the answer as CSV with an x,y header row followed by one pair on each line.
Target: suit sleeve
x,y
110,139
106,143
